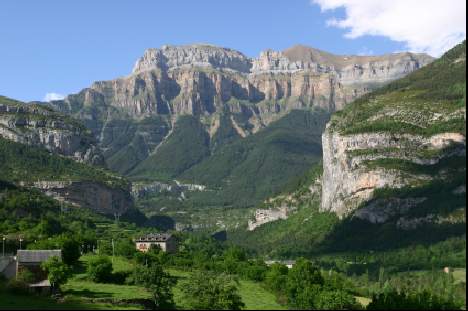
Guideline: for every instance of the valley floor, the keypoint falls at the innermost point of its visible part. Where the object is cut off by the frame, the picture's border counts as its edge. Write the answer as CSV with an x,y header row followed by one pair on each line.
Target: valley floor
x,y
80,293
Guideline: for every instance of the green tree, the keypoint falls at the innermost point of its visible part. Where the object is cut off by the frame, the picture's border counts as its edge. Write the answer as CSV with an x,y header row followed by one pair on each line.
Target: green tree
x,y
334,299
304,284
57,271
210,291
70,250
100,269
158,282
232,257
70,247
126,248
394,300
276,278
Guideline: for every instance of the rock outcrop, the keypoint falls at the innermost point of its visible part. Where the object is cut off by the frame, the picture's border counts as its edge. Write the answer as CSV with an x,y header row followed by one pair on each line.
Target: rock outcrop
x,y
131,117
39,126
95,196
399,153
347,180
205,80
281,207
228,97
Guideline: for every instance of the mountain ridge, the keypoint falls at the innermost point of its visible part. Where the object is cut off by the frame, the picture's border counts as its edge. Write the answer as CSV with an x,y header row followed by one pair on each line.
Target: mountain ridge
x,y
139,120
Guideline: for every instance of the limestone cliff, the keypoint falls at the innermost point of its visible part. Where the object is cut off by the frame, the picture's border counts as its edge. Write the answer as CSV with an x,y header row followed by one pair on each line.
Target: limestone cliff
x,y
37,125
132,116
95,196
398,155
281,207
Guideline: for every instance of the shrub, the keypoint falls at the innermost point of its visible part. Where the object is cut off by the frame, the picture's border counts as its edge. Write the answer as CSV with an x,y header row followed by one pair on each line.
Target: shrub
x,y
276,278
209,291
120,277
304,284
100,269
57,271
159,284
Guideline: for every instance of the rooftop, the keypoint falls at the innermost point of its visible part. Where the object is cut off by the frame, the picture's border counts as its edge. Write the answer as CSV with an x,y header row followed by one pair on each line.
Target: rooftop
x,y
154,237
37,256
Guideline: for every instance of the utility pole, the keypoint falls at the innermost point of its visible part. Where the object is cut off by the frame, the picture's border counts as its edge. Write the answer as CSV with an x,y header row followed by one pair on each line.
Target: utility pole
x,y
112,250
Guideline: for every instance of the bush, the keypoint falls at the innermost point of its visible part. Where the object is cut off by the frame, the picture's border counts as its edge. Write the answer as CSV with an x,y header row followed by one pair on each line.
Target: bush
x,y
210,291
70,251
394,300
120,277
100,270
255,271
304,284
335,300
276,278
57,271
158,283
125,248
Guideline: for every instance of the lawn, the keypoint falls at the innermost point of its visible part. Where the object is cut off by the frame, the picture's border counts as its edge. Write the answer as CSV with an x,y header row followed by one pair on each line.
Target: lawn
x,y
253,294
119,263
80,293
88,289
256,297
19,302
459,274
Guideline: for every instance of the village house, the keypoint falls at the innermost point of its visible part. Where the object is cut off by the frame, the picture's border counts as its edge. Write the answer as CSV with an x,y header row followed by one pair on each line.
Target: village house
x,y
287,263
165,241
32,260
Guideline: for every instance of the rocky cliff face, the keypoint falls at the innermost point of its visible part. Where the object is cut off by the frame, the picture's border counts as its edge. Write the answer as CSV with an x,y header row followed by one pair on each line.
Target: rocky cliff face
x,y
39,126
398,155
181,105
209,82
285,205
91,195
349,181
205,80
79,184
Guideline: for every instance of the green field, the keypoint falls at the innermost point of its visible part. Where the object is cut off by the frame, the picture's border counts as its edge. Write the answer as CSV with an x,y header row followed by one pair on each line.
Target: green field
x,y
80,293
459,274
253,294
20,302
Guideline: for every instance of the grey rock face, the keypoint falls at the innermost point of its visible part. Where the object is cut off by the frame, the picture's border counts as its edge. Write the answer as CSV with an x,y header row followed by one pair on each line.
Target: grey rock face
x,y
37,126
347,183
206,81
94,196
172,57
349,70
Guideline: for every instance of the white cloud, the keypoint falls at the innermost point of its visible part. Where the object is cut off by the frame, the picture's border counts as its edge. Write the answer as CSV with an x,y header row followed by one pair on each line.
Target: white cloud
x,y
431,26
53,96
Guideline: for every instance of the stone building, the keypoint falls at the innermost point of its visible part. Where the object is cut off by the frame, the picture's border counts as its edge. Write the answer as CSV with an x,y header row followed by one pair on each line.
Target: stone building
x,y
165,241
32,260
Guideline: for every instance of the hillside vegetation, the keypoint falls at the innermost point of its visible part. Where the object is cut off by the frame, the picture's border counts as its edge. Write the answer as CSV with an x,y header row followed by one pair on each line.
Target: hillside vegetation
x,y
19,162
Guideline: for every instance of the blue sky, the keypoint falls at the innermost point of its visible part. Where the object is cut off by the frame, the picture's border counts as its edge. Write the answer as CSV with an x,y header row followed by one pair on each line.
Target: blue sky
x,y
63,46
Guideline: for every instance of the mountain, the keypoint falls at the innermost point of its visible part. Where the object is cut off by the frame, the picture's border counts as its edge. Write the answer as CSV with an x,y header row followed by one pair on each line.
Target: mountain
x,y
43,149
398,155
210,116
394,171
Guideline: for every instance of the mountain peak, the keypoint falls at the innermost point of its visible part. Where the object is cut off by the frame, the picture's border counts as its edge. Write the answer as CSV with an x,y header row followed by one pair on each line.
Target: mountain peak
x,y
195,55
